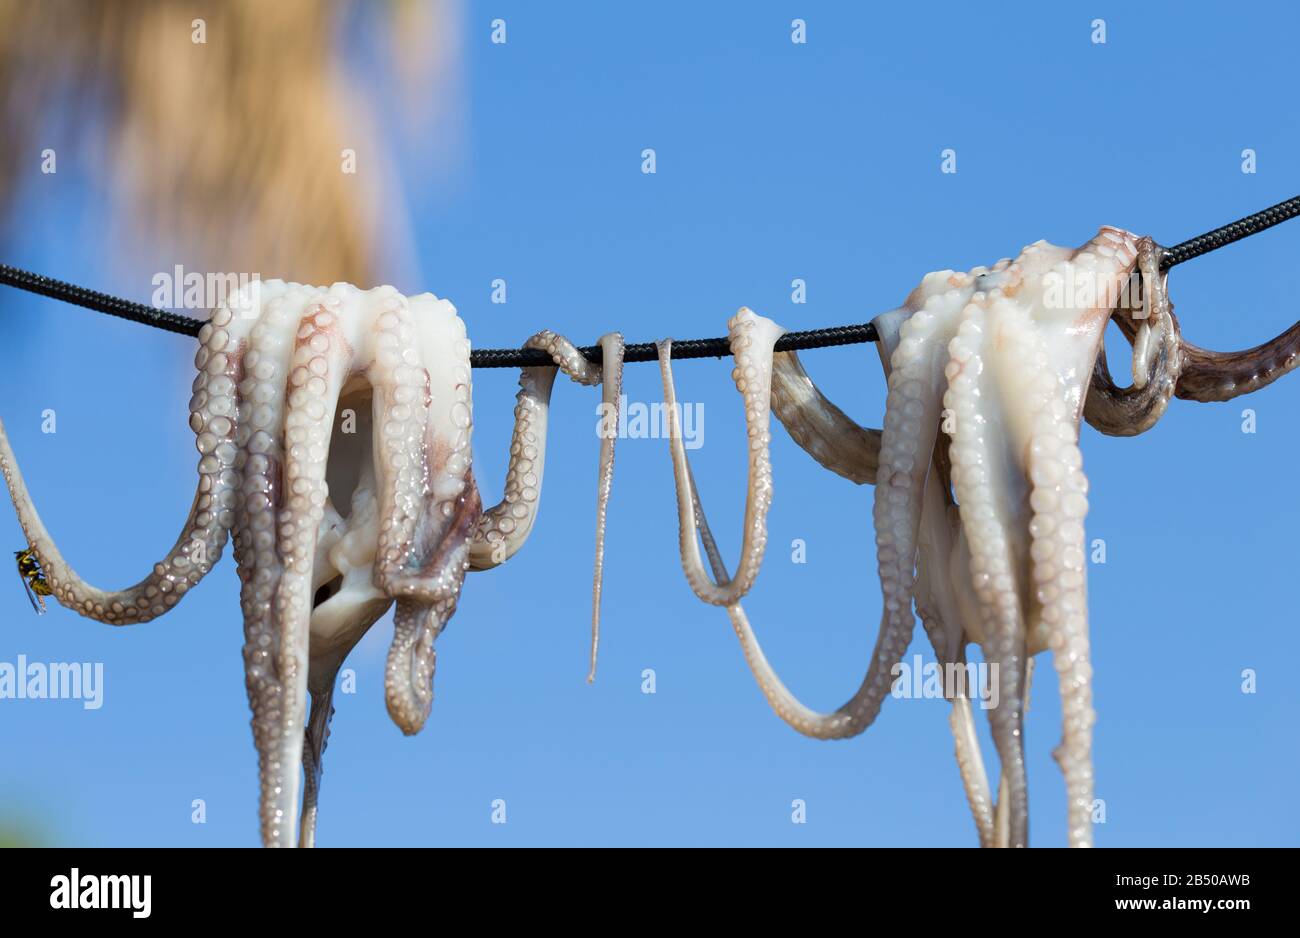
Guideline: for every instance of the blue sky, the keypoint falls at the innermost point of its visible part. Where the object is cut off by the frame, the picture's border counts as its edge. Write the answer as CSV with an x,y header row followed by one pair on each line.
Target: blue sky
x,y
774,161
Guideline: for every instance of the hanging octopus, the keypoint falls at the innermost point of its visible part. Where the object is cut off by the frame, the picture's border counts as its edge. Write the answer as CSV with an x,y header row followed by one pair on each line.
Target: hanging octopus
x,y
333,427
980,494
334,424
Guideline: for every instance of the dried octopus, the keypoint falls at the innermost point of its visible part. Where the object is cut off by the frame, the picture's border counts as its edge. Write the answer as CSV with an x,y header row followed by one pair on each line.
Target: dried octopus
x,y
980,494
333,426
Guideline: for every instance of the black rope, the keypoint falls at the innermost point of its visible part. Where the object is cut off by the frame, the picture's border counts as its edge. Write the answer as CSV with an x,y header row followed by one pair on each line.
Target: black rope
x,y
99,302
643,352
686,348
1234,231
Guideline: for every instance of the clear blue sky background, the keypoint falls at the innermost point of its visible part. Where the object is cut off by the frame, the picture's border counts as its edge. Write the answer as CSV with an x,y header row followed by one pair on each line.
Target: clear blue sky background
x,y
775,161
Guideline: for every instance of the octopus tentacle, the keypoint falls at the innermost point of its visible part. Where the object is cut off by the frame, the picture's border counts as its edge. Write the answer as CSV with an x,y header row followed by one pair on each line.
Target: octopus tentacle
x,y
318,368
1157,360
911,425
1018,391
784,703
261,419
1155,321
412,661
401,410
426,602
1210,376
822,726
400,414
976,459
505,526
910,352
937,608
313,753
1053,467
970,764
211,515
940,547
752,339
942,556
1059,500
431,506
337,626
716,563
1002,808
612,349
803,718
820,428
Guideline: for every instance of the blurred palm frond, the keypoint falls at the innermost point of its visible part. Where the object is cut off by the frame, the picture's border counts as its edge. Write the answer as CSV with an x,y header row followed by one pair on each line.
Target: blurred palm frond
x,y
225,154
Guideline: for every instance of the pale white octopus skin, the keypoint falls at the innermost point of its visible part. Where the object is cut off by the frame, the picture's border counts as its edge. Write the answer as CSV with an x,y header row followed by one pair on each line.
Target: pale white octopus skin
x,y
1002,358
333,523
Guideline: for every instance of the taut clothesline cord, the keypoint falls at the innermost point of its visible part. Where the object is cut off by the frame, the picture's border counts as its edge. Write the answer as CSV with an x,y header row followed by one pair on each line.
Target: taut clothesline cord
x,y
643,352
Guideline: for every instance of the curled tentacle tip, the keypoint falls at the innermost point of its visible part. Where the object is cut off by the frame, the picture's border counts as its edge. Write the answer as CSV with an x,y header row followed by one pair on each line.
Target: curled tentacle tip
x,y
1143,352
